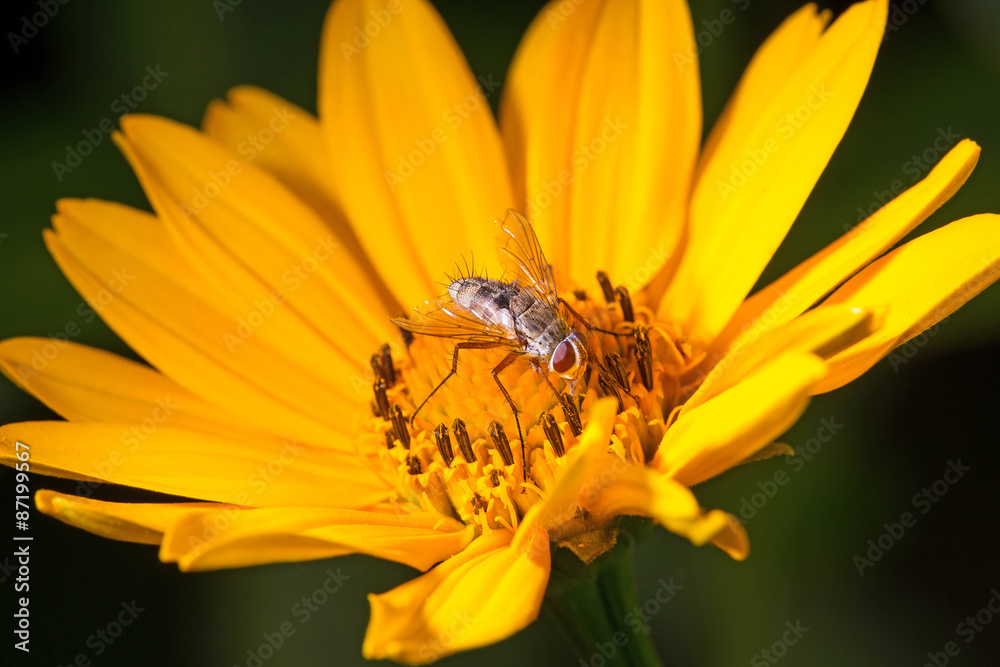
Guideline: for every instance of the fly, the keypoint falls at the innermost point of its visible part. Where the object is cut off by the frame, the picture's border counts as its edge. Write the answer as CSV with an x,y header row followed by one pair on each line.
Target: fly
x,y
521,316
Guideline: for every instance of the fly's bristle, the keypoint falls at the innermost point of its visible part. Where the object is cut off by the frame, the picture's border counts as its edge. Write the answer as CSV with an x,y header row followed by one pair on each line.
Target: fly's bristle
x,y
399,425
572,414
444,444
625,301
644,357
500,442
605,283
552,433
464,444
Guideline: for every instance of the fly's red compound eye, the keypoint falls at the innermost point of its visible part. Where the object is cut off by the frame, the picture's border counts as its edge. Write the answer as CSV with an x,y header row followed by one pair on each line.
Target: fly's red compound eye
x,y
564,358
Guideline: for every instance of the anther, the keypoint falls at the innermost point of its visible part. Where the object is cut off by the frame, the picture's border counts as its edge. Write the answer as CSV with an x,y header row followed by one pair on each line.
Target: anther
x,y
390,441
406,335
552,433
625,301
644,356
381,400
605,283
444,444
399,425
413,464
500,442
464,444
610,388
613,365
580,295
494,478
572,414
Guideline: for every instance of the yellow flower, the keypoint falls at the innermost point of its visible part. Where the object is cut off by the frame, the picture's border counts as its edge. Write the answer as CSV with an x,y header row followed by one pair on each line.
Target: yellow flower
x,y
281,246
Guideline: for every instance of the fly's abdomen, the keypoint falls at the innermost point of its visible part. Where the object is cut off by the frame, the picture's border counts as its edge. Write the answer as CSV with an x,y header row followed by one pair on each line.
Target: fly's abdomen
x,y
491,301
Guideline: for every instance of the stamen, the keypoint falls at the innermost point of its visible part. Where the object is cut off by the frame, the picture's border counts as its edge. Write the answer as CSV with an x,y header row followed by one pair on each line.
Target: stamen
x,y
552,433
572,414
605,283
413,464
626,303
381,400
399,425
495,478
382,366
464,444
500,442
610,388
390,442
444,444
644,356
613,364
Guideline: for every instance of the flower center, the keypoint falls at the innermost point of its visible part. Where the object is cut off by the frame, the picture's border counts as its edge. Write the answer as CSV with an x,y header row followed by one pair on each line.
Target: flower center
x,y
461,455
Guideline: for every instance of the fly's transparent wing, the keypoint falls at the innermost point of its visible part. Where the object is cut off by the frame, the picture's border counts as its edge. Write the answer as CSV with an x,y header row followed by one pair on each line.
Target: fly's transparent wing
x,y
521,257
445,319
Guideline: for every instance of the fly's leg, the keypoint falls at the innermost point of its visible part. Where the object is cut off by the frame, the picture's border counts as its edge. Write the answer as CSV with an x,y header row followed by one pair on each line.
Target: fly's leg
x,y
507,361
454,369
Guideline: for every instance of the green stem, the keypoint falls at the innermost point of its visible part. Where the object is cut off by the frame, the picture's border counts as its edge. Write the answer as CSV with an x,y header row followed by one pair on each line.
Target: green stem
x,y
591,603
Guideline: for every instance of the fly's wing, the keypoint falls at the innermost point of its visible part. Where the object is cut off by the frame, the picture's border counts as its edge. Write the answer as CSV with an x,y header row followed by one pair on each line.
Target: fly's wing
x,y
521,257
445,319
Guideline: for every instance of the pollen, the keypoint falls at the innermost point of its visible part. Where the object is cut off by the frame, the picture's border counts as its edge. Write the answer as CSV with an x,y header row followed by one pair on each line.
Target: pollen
x,y
461,455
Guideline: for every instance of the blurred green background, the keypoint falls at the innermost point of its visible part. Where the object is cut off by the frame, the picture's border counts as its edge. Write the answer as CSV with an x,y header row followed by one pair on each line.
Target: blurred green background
x,y
901,425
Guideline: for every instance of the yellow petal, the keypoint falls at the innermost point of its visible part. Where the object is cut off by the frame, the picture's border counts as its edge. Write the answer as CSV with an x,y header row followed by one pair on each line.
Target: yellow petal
x,y
822,331
602,119
286,140
415,153
560,503
922,283
250,237
816,277
484,594
130,522
259,473
734,425
641,492
237,537
768,156
125,265
89,385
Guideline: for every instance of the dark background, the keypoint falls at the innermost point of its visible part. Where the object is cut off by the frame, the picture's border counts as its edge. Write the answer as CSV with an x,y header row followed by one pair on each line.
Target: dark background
x,y
901,425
